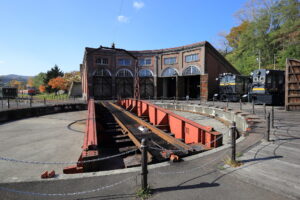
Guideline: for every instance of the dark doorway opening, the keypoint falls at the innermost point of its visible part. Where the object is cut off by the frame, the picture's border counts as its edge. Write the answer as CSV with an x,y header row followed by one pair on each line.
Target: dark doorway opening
x,y
169,87
192,86
124,87
146,87
102,87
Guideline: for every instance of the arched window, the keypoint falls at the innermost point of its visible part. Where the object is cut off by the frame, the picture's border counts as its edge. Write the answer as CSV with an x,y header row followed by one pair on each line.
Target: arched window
x,y
169,72
102,72
145,73
124,73
191,70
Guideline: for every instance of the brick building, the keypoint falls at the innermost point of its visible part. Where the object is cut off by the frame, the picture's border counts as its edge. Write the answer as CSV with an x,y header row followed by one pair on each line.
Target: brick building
x,y
174,72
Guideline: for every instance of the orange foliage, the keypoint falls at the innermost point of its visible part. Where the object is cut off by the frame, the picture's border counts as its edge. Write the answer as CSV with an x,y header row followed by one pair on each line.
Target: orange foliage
x,y
30,82
42,88
58,83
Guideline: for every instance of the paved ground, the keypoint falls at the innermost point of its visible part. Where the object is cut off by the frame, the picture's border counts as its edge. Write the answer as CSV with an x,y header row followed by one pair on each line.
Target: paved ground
x,y
276,165
202,178
47,138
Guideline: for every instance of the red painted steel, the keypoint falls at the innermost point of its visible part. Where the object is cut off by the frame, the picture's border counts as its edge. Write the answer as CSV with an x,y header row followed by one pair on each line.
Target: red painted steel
x,y
90,143
182,128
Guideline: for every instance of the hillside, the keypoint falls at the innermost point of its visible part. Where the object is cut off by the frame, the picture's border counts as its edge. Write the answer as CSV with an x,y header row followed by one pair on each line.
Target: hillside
x,y
5,79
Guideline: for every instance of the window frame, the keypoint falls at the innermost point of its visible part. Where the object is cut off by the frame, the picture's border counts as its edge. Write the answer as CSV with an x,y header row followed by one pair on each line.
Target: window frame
x,y
196,55
124,62
170,58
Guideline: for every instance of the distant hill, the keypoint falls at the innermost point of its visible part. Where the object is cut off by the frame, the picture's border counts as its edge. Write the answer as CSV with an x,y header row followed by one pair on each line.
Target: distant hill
x,y
5,79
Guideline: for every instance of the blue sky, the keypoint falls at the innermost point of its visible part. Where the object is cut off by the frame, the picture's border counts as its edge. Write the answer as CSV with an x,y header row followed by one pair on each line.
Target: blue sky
x,y
37,34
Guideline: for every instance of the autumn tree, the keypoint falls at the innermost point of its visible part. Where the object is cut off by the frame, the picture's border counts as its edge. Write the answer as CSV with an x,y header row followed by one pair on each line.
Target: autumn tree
x,y
51,74
58,83
30,82
18,84
269,29
73,76
42,89
39,79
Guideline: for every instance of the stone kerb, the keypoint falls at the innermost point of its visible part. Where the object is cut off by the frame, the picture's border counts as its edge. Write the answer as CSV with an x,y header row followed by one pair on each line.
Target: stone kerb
x,y
15,114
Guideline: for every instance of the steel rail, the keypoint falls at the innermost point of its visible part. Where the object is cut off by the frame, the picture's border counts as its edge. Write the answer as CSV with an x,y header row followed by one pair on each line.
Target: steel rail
x,y
130,134
155,130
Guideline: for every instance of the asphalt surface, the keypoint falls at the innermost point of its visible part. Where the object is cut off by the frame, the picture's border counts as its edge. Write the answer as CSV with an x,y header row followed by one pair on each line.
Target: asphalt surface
x,y
49,138
202,178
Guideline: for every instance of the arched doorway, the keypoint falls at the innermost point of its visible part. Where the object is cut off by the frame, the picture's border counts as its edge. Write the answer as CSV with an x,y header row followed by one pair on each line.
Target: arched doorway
x,y
191,76
124,83
102,84
168,82
146,83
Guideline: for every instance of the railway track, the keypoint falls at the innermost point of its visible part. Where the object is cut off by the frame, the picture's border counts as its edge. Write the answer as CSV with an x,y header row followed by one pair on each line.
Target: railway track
x,y
161,143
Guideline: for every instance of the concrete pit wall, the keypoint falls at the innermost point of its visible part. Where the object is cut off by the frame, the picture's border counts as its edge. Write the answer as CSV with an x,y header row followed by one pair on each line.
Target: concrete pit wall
x,y
15,114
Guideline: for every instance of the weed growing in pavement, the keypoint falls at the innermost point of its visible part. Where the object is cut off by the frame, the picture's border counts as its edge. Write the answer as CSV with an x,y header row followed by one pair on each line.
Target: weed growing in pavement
x,y
239,154
144,194
232,163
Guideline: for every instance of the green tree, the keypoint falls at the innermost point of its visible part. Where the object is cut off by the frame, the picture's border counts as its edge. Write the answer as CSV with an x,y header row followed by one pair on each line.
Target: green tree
x,y
39,79
52,73
268,28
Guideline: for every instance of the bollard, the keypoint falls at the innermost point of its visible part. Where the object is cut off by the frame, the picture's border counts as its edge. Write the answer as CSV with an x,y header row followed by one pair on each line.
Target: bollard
x,y
8,104
213,101
265,111
227,103
144,163
268,127
233,142
253,106
30,102
240,104
174,100
44,101
17,102
272,117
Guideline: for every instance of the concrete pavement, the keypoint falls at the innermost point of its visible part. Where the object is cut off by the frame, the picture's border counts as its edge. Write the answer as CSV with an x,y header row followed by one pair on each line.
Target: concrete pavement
x,y
201,178
49,138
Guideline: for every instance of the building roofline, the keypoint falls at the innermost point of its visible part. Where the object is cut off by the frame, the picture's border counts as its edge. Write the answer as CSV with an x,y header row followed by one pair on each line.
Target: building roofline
x,y
165,50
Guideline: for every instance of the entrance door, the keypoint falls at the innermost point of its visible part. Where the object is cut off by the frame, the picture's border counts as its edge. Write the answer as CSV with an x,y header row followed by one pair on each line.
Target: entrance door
x,y
102,87
146,87
124,87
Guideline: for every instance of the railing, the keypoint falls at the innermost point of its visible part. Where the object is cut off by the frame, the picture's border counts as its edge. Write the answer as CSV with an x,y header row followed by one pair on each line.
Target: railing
x,y
90,144
182,128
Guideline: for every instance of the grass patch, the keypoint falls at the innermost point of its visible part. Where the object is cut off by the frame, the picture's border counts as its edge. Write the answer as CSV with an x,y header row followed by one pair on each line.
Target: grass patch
x,y
232,163
239,154
144,194
47,96
221,167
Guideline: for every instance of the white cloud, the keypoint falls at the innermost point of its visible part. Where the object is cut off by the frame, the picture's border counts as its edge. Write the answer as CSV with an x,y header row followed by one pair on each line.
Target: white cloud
x,y
123,19
138,5
1,62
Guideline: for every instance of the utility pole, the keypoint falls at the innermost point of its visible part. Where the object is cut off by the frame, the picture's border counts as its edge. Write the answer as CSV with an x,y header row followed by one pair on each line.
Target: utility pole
x,y
259,60
274,62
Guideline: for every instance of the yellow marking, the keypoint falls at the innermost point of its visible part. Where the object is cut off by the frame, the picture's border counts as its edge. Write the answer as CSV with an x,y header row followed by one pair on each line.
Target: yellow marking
x,y
224,84
258,89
